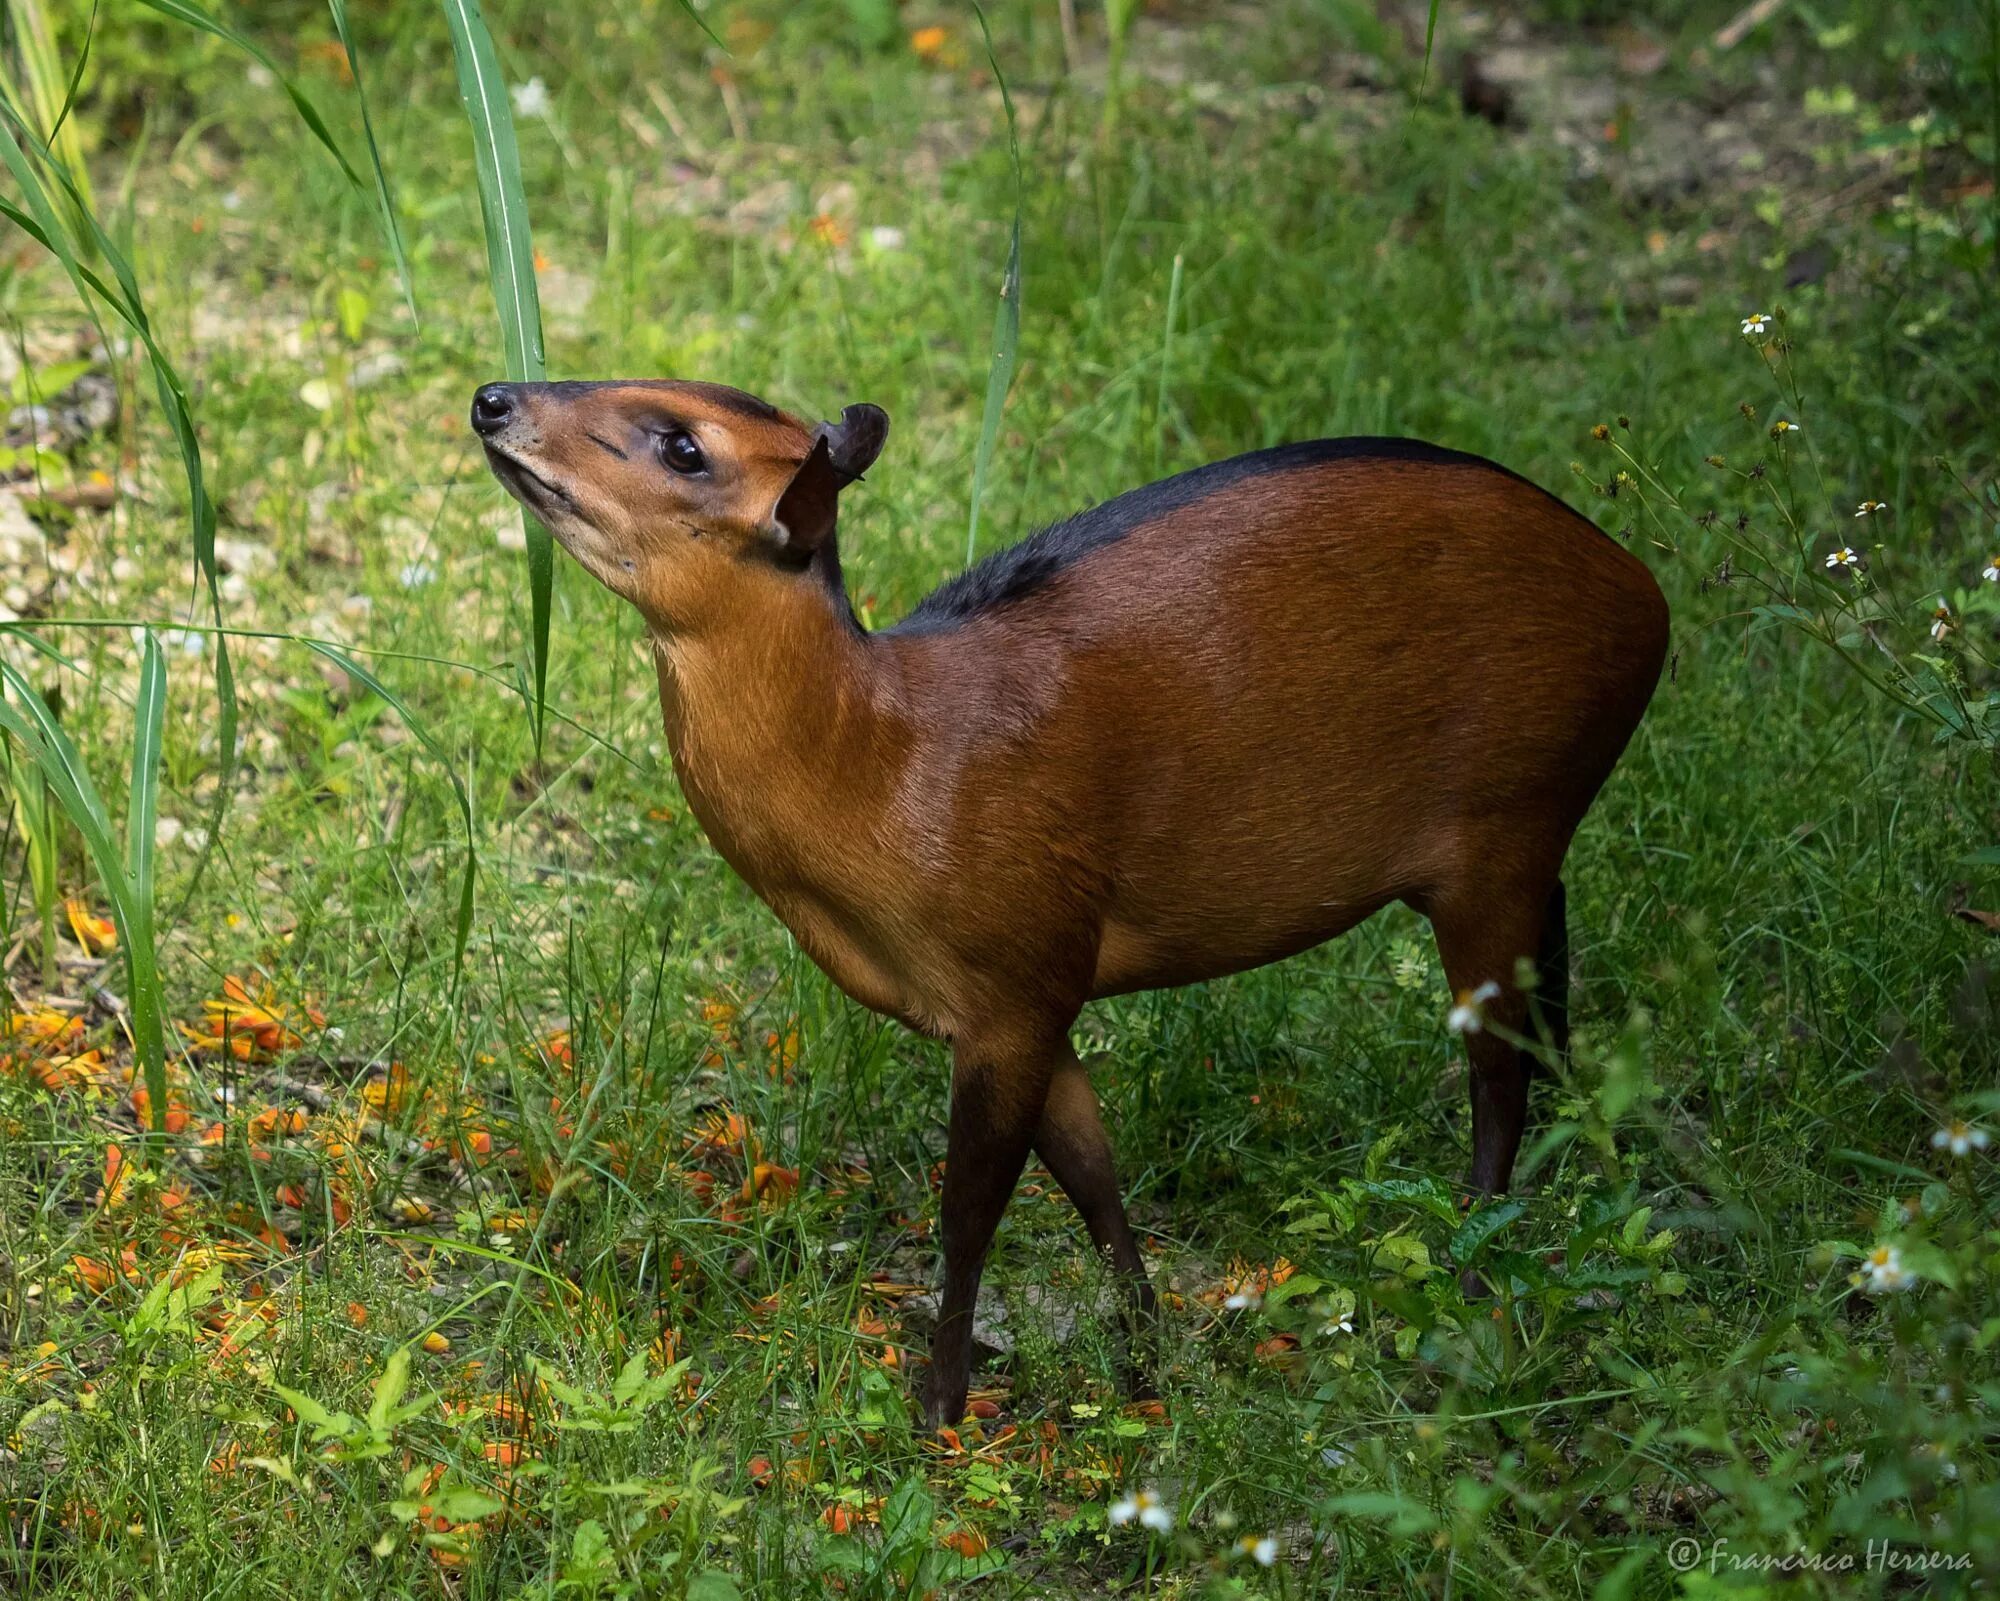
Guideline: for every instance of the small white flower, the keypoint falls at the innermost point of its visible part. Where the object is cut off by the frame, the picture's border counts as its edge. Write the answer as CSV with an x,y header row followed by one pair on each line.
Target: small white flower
x,y
1991,571
1960,1138
1756,325
1941,623
1883,1272
1344,1324
531,99
225,1094
1868,508
1243,1301
416,574
1264,1552
1785,425
1144,1507
1846,556
1466,1016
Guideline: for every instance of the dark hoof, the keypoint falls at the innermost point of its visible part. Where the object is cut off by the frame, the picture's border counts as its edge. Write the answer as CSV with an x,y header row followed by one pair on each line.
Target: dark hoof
x,y
942,1409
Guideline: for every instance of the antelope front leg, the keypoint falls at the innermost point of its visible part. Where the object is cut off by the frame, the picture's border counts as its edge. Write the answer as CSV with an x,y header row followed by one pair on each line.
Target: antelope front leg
x,y
997,1094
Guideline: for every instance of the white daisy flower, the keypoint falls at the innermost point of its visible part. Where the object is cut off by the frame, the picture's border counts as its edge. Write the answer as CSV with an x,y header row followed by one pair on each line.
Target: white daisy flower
x,y
1785,425
416,574
531,99
1868,508
1960,1138
1991,571
1941,623
1344,1324
1263,1551
1145,1508
1756,325
1882,1271
1466,1016
1846,556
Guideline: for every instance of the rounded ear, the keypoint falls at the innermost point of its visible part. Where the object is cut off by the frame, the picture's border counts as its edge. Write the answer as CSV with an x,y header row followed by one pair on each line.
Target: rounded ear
x,y
856,440
805,513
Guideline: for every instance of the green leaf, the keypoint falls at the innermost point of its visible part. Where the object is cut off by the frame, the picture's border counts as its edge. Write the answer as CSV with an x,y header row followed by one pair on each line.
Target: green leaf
x,y
463,1504
389,1388
1399,1512
1474,1233
908,1513
1297,1285
1403,1254
322,1419
631,1379
1426,1195
510,268
712,1584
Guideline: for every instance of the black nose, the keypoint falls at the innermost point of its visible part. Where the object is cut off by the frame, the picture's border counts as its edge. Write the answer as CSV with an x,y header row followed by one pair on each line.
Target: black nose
x,y
492,408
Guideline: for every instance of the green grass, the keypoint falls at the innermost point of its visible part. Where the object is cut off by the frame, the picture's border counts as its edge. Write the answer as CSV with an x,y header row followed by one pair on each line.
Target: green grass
x,y
1775,1008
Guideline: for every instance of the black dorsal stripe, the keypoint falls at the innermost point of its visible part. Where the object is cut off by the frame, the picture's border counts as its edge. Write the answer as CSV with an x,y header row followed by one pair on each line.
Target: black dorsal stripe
x,y
1019,570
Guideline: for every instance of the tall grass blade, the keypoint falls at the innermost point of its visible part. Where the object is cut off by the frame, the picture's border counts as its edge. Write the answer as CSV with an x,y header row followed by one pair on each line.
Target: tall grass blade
x,y
385,202
75,84
42,88
35,812
142,812
510,266
354,669
1430,39
1166,365
142,808
1118,16
1006,316
195,17
126,875
701,22
126,300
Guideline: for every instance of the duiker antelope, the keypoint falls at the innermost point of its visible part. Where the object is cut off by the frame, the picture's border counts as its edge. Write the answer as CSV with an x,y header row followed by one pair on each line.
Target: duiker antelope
x,y
1202,727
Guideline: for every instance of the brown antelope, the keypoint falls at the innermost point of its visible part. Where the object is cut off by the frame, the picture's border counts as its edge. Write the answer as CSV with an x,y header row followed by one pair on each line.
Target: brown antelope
x,y
1202,727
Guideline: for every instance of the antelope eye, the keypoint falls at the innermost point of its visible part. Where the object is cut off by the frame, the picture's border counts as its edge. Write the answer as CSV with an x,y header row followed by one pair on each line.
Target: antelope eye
x,y
679,451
